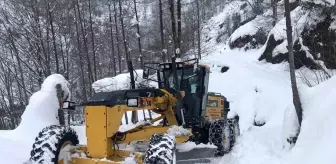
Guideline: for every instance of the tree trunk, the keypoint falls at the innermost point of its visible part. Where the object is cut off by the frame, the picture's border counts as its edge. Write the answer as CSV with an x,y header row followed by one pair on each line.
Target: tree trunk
x,y
80,57
121,17
198,31
90,76
138,36
275,14
128,59
47,67
47,40
172,19
112,42
54,37
62,52
163,49
93,44
67,75
179,30
296,97
125,46
17,80
23,85
60,95
117,35
134,113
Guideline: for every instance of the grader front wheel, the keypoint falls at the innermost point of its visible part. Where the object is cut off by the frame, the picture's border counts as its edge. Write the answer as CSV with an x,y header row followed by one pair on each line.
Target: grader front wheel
x,y
51,144
161,150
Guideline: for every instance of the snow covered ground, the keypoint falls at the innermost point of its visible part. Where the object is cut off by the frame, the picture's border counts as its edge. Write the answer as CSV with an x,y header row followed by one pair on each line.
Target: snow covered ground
x,y
15,145
258,92
261,92
316,142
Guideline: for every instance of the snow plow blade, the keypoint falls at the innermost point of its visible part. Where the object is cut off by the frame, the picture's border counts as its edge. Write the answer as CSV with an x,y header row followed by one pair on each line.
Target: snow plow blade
x,y
197,155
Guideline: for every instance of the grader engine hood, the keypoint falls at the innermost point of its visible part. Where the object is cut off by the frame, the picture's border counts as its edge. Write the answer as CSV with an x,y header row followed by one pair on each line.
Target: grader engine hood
x,y
120,97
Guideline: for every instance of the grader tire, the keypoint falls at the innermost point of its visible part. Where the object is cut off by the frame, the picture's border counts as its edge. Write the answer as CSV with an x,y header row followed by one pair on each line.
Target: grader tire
x,y
161,150
235,131
49,143
236,128
221,135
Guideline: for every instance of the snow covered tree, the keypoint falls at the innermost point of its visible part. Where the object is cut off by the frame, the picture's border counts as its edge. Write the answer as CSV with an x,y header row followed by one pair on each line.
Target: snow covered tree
x,y
296,96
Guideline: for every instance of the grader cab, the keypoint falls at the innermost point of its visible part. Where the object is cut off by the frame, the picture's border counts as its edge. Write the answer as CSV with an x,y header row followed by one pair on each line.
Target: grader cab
x,y
182,102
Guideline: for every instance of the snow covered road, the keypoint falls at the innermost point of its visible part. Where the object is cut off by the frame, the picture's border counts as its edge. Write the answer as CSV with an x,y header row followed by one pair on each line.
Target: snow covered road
x,y
259,145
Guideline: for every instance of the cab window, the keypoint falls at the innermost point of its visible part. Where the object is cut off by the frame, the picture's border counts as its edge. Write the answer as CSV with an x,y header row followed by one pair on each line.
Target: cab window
x,y
212,103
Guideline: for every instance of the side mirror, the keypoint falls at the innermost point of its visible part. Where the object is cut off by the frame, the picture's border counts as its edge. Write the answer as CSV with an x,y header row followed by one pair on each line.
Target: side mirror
x,y
227,106
68,105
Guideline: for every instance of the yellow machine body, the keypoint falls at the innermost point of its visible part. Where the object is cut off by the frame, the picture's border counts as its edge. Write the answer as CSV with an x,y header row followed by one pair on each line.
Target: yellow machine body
x,y
102,128
181,99
215,108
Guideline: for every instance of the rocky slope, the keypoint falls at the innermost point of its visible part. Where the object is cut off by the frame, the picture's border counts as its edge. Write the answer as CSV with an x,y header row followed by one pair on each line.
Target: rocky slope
x,y
314,31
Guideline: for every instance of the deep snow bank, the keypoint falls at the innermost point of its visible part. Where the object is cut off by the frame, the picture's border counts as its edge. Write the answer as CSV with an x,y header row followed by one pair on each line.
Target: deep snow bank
x,y
258,92
15,145
261,92
42,109
119,82
316,142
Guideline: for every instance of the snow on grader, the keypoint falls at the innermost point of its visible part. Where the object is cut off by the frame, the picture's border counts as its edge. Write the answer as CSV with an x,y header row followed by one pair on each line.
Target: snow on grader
x,y
187,112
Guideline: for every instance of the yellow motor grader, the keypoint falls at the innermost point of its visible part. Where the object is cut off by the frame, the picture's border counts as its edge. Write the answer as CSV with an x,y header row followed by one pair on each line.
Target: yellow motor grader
x,y
186,110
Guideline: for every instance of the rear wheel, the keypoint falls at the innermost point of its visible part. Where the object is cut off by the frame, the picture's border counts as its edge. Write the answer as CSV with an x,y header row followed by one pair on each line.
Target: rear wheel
x,y
234,130
161,150
220,134
52,144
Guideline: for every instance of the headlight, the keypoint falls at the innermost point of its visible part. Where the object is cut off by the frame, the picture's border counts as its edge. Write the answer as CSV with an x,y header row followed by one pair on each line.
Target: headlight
x,y
133,102
69,105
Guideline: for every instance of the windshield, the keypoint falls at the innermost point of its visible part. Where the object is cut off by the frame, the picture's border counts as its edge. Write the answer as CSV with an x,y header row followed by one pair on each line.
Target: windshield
x,y
188,76
169,75
192,80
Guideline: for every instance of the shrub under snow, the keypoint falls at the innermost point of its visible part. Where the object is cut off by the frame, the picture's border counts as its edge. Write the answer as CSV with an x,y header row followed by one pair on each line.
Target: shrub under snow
x,y
42,109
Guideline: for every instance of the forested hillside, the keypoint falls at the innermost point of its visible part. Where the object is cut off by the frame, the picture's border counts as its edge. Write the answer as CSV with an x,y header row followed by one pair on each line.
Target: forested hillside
x,y
86,40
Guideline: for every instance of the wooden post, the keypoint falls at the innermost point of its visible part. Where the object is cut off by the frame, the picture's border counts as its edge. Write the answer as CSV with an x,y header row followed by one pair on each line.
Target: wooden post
x,y
130,68
60,95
